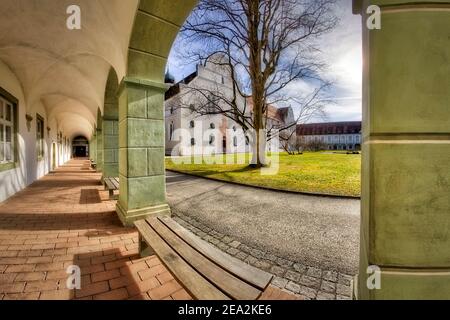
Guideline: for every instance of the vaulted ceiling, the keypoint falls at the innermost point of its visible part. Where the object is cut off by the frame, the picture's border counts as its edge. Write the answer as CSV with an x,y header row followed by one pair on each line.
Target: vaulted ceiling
x,y
66,70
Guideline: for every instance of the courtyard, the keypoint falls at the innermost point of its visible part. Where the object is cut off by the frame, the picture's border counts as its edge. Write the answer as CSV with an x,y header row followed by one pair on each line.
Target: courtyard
x,y
310,243
98,75
325,173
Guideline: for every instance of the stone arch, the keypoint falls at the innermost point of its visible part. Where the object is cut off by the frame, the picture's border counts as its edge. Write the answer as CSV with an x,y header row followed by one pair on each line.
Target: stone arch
x,y
141,108
108,129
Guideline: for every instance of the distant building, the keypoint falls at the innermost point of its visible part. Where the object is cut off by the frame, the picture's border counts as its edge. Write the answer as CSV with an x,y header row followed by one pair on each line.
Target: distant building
x,y
333,135
219,134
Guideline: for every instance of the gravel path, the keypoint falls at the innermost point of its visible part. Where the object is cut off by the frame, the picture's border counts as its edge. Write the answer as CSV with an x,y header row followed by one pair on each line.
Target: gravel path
x,y
314,231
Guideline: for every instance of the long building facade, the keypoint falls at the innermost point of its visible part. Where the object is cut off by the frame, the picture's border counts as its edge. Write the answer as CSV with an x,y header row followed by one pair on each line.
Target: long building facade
x,y
189,133
332,135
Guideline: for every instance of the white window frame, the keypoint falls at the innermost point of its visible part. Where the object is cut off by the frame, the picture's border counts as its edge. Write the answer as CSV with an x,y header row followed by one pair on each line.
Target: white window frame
x,y
4,103
40,138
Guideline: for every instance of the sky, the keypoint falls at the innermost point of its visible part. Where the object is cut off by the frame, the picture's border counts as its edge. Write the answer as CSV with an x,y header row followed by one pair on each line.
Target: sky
x,y
341,49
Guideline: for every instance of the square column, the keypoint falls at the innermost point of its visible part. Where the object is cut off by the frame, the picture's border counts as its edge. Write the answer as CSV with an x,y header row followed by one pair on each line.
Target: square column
x,y
111,148
100,143
111,129
141,151
93,146
406,152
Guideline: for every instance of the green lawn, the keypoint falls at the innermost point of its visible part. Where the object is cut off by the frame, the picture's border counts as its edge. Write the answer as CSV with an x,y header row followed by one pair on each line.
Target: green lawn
x,y
335,174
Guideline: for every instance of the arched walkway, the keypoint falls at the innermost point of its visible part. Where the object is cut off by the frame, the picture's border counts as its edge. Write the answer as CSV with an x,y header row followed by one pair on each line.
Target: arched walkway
x,y
54,80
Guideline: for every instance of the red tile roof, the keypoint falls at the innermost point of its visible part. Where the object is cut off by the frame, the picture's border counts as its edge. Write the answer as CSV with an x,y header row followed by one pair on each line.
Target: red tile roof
x,y
350,127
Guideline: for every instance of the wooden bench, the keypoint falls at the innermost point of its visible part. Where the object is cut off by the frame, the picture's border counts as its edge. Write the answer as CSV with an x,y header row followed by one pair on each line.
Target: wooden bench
x,y
203,270
111,184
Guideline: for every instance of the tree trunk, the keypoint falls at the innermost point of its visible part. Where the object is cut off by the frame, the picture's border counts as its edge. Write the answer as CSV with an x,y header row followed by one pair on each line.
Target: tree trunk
x,y
258,84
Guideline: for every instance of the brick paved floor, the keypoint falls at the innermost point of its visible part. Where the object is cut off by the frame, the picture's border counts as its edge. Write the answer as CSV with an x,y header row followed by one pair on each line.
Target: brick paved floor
x,y
67,219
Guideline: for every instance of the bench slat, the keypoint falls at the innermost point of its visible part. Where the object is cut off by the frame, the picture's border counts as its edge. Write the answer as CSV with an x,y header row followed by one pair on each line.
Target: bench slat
x,y
228,283
115,181
111,184
193,282
247,273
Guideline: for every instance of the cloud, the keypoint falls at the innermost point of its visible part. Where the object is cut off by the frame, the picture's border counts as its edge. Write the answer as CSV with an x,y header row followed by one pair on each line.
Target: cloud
x,y
341,49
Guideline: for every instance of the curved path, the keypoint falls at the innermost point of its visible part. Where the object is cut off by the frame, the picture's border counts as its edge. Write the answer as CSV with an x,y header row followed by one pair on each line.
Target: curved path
x,y
315,231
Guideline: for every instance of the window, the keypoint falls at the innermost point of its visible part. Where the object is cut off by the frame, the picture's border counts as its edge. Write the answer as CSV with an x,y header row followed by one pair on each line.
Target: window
x,y
192,108
247,140
192,142
7,131
171,131
40,136
235,141
212,139
212,126
192,124
234,128
172,110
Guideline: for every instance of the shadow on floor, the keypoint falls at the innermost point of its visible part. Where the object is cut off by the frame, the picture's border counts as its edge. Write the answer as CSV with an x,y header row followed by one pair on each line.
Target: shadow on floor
x,y
94,223
90,196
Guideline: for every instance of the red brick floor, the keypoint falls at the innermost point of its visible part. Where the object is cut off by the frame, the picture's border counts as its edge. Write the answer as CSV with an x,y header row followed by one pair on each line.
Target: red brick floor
x,y
67,219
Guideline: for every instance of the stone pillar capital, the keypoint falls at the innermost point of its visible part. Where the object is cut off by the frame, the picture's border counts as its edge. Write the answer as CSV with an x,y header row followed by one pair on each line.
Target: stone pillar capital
x,y
142,83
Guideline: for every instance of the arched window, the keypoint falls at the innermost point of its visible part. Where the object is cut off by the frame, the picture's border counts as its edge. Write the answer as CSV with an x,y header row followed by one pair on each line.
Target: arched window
x,y
192,142
235,141
192,124
247,140
234,128
171,131
212,126
172,110
212,139
192,108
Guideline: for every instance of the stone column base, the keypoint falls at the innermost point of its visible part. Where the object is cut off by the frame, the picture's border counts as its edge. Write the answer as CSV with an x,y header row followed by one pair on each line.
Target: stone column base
x,y
130,216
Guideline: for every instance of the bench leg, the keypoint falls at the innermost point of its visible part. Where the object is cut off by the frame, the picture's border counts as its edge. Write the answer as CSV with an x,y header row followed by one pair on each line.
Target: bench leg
x,y
144,249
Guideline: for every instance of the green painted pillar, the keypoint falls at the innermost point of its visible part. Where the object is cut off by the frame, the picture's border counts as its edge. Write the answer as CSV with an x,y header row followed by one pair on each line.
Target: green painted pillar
x,y
93,146
406,152
111,130
141,155
99,142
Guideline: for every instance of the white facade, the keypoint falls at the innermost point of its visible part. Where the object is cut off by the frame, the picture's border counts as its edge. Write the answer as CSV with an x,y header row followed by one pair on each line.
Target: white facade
x,y
26,165
188,133
334,136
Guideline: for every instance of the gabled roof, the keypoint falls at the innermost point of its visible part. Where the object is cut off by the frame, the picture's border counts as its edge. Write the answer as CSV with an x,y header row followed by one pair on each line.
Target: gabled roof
x,y
273,113
175,89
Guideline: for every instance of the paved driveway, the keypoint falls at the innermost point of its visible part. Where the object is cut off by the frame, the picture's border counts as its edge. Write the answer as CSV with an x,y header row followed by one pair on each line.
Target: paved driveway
x,y
316,231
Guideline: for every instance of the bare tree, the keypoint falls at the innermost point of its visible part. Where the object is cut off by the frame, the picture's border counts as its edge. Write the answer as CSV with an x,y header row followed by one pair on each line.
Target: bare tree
x,y
264,46
315,145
